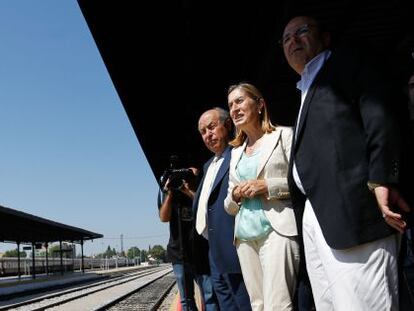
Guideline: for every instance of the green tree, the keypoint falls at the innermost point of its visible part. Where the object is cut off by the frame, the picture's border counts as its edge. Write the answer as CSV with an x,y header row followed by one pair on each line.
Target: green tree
x,y
133,252
54,251
13,253
158,252
144,256
109,252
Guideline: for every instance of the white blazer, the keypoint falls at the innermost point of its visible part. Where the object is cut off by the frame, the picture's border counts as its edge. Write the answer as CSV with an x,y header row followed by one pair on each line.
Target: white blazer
x,y
273,168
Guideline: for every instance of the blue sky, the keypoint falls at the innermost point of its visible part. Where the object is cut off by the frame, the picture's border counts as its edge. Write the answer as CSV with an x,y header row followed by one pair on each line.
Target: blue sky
x,y
69,152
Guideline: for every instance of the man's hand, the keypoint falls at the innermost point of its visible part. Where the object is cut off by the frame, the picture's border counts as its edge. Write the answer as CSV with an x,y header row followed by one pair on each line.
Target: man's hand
x,y
167,186
195,171
387,199
185,188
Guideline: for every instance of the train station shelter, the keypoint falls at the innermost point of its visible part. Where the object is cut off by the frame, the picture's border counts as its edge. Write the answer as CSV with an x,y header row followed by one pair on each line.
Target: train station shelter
x,y
26,229
171,60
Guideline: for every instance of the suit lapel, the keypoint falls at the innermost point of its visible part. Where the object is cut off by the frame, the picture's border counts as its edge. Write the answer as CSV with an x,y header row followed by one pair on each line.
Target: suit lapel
x,y
223,168
236,155
304,111
309,96
219,176
269,143
200,185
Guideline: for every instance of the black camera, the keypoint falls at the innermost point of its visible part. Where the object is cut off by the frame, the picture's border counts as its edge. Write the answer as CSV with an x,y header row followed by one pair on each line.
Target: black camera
x,y
177,176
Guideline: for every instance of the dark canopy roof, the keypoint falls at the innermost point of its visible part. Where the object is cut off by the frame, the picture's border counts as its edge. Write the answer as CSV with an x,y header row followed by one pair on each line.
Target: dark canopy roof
x,y
171,60
21,227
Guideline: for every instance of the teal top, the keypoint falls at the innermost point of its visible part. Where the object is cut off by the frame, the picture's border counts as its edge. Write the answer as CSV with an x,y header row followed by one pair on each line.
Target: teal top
x,y
252,223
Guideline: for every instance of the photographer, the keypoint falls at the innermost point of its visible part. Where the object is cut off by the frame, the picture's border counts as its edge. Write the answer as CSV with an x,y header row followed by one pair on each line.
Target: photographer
x,y
187,252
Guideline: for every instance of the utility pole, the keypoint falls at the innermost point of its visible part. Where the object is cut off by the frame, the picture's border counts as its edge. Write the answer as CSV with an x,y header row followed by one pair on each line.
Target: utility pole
x,y
122,244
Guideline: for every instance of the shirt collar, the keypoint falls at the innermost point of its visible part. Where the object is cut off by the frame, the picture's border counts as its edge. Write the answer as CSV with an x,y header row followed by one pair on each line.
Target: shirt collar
x,y
216,158
312,68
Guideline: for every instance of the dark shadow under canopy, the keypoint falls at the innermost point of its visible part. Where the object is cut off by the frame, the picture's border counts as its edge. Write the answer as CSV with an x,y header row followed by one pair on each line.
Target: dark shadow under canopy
x,y
171,60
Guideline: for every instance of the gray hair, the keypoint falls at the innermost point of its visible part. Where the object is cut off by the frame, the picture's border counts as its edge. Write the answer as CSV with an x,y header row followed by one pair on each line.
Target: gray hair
x,y
223,114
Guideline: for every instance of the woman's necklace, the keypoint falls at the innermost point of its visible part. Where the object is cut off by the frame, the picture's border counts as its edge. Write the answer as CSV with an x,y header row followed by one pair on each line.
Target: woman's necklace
x,y
256,145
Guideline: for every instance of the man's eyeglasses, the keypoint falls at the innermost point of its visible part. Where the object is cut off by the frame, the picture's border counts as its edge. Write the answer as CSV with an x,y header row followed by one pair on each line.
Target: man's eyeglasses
x,y
301,31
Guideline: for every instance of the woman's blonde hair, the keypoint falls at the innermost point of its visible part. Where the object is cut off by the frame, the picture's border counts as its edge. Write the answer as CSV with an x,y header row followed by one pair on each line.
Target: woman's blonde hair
x,y
252,92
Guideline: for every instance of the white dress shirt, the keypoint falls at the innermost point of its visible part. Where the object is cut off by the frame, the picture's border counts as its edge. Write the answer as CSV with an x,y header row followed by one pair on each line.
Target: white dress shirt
x,y
201,218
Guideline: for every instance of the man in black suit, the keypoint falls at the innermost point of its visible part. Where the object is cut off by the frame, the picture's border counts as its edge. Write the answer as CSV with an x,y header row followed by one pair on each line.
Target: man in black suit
x,y
345,172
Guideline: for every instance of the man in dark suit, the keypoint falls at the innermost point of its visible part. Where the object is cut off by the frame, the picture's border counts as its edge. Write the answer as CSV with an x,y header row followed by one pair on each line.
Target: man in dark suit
x,y
345,172
212,222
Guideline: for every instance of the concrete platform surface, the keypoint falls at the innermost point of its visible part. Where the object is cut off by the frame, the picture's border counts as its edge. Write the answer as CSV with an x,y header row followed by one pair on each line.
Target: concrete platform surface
x,y
12,285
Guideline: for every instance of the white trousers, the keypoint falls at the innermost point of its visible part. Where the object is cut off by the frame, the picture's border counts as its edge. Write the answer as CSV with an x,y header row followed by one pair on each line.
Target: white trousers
x,y
360,278
269,267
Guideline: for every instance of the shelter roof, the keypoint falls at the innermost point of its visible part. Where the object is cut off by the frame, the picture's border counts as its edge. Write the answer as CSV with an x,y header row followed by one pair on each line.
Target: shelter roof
x,y
17,226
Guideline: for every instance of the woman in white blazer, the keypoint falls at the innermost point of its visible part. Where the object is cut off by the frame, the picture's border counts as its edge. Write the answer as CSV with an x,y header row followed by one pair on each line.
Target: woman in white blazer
x,y
258,195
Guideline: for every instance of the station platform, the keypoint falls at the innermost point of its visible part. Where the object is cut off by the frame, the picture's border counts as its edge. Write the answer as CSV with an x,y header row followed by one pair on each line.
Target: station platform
x,y
12,287
173,304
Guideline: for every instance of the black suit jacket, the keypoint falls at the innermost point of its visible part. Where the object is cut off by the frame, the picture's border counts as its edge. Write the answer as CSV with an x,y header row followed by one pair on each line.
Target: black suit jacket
x,y
347,135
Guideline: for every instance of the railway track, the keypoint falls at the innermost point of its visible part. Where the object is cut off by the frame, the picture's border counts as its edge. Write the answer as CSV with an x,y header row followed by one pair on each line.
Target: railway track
x,y
146,298
97,296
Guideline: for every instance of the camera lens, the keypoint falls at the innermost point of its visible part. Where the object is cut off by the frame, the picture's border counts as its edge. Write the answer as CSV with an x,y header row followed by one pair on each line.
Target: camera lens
x,y
176,182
